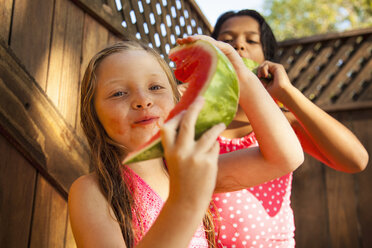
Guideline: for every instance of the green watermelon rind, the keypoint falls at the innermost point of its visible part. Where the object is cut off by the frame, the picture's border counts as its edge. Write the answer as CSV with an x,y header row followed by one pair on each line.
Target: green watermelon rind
x,y
221,97
253,66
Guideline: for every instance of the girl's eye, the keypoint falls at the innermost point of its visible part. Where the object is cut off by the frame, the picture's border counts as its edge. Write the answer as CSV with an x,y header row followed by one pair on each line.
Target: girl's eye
x,y
251,42
227,41
156,87
119,93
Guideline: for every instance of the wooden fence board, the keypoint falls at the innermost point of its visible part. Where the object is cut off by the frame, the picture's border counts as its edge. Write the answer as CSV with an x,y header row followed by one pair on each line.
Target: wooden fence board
x,y
348,68
286,56
302,61
113,39
355,88
64,66
147,11
361,126
170,29
188,7
139,21
179,14
341,199
37,127
105,12
340,71
130,27
17,186
304,80
324,76
49,219
69,240
5,18
194,18
158,11
31,34
95,38
366,94
309,203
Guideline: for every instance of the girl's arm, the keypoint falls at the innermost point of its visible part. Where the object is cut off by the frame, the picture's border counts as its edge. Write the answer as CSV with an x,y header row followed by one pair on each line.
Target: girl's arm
x,y
279,152
92,220
322,136
192,167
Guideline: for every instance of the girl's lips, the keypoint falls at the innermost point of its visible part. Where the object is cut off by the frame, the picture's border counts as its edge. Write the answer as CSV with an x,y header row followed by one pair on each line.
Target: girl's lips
x,y
145,121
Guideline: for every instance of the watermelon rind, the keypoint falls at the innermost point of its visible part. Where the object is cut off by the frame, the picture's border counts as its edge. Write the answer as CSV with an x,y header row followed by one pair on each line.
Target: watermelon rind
x,y
253,66
220,92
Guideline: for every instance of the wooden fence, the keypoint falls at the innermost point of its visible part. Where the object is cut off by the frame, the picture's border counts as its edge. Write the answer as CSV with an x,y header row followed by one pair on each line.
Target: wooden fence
x,y
44,49
335,71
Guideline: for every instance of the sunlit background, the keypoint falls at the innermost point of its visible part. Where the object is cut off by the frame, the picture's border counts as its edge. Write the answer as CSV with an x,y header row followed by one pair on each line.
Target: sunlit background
x,y
299,18
212,8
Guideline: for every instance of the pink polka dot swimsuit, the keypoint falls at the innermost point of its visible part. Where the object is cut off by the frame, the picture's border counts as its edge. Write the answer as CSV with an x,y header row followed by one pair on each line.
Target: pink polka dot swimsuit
x,y
148,205
260,216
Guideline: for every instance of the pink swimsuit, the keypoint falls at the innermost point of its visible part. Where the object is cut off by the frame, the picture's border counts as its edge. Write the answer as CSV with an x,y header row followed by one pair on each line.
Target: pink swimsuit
x,y
148,205
260,216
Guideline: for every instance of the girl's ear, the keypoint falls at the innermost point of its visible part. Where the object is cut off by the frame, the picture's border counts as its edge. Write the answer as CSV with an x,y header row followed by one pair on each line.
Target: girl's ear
x,y
182,88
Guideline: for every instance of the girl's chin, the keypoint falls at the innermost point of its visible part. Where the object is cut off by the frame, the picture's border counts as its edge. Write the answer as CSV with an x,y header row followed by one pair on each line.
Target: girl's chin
x,y
141,139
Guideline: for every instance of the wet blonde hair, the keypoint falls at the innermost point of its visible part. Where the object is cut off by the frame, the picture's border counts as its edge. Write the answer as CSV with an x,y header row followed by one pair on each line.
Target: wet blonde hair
x,y
107,155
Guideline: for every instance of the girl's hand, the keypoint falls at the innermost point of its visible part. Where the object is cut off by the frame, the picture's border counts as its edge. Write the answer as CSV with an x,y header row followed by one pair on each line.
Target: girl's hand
x,y
192,165
182,88
280,82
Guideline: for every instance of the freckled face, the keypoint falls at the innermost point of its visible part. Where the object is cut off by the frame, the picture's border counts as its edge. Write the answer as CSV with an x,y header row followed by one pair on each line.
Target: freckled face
x,y
133,97
243,33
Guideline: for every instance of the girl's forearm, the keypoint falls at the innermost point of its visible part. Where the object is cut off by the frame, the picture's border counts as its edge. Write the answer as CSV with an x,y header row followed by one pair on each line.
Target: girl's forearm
x,y
277,140
336,143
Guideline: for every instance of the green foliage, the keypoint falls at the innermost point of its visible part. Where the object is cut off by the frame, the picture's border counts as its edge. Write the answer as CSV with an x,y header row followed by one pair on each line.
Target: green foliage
x,y
299,18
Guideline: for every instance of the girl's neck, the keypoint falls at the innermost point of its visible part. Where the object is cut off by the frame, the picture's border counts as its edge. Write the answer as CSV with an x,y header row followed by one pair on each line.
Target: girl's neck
x,y
154,173
239,127
148,167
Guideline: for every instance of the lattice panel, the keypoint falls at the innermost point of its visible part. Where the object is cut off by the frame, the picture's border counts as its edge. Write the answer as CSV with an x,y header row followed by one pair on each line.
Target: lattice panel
x,y
333,69
160,23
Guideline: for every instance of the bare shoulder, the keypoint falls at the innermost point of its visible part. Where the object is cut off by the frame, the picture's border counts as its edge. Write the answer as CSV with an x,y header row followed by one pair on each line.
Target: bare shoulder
x,y
85,189
85,197
92,219
85,183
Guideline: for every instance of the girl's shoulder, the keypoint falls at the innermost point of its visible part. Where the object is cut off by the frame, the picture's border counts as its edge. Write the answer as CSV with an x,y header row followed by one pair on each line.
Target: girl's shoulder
x,y
85,182
92,219
85,189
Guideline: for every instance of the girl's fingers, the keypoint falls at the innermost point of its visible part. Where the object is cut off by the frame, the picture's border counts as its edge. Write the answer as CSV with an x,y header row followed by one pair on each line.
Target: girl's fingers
x,y
263,70
168,131
215,150
182,88
187,126
208,139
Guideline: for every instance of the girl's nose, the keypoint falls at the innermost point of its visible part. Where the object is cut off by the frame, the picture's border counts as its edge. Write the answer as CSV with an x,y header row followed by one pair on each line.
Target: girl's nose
x,y
239,45
141,101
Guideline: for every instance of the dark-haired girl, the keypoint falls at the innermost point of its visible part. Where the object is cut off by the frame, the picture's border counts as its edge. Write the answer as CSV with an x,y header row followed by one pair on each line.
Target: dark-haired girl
x,y
261,216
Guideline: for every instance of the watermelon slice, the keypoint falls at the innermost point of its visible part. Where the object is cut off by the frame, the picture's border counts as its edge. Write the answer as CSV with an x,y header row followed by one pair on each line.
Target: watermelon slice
x,y
209,73
253,65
